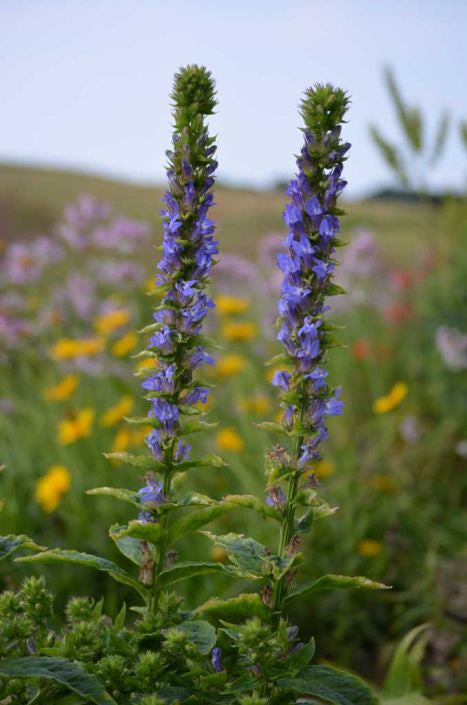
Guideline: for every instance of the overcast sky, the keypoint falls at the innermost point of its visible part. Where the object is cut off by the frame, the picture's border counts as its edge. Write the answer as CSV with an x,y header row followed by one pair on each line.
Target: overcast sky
x,y
85,83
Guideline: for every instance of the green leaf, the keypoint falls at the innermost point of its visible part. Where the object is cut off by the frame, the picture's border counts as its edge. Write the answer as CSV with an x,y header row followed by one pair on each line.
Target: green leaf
x,y
192,499
143,462
152,533
333,289
195,426
271,427
280,358
280,566
238,608
60,670
331,685
209,460
304,524
195,520
414,699
117,492
404,675
299,659
188,569
244,552
11,543
252,502
146,420
128,546
200,633
207,342
331,582
119,621
57,555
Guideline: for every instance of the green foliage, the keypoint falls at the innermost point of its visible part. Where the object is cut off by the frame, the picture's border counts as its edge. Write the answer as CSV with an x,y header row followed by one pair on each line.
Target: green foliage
x,y
331,685
411,161
331,582
60,671
404,674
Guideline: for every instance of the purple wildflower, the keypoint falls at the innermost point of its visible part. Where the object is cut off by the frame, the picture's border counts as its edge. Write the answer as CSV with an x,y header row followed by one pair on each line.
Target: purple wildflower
x,y
307,266
216,659
182,274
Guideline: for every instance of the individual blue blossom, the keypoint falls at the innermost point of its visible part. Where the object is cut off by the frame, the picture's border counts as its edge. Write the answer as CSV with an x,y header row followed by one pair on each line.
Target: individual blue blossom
x,y
281,379
216,659
275,497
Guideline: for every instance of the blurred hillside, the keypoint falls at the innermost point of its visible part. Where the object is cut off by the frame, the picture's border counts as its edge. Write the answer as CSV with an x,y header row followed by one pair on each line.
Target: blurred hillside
x,y
32,200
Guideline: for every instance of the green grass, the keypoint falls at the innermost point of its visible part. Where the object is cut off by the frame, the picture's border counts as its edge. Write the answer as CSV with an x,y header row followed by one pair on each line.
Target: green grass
x,y
32,199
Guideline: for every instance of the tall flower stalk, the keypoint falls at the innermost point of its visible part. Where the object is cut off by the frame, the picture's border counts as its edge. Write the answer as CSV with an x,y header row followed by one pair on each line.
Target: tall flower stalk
x,y
188,249
312,219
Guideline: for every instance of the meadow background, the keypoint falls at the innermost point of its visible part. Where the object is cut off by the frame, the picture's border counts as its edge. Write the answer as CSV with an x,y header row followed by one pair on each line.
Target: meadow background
x,y
77,254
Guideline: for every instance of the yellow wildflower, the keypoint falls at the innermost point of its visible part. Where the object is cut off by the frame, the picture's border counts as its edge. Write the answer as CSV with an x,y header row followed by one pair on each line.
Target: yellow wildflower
x,y
63,390
150,285
139,434
323,469
259,405
76,427
239,331
106,323
383,483
228,439
391,400
124,345
51,487
230,365
68,348
117,412
145,364
370,548
231,305
122,440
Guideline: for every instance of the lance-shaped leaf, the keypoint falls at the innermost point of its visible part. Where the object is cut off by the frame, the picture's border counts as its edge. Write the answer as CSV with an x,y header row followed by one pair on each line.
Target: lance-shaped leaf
x,y
206,461
238,608
147,420
152,533
192,499
332,582
128,546
404,676
121,493
195,520
199,632
11,543
188,569
271,427
252,502
143,462
61,671
331,686
278,566
57,555
195,426
244,552
299,658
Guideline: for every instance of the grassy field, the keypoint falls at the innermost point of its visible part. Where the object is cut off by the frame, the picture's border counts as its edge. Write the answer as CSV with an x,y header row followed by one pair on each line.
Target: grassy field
x,y
394,472
32,200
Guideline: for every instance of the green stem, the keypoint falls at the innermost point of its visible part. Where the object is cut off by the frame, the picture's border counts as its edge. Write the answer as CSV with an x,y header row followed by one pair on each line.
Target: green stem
x,y
287,526
162,550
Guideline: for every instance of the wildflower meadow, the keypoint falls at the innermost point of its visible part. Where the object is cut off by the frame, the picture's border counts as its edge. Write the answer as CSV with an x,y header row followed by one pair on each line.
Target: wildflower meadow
x,y
233,444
